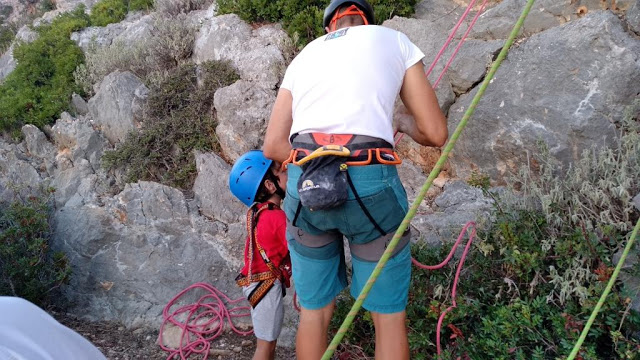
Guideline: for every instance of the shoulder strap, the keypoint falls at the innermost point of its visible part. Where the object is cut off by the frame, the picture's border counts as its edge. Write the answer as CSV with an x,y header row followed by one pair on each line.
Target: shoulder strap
x,y
252,230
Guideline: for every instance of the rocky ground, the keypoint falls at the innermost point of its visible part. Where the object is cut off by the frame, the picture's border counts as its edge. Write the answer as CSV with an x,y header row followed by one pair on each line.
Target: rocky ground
x,y
119,343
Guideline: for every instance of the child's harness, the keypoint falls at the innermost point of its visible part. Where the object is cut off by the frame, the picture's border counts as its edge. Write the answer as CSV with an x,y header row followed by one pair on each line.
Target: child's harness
x,y
265,279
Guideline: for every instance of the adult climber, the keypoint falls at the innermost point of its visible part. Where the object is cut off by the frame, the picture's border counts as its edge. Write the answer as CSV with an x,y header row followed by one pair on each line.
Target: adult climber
x,y
332,122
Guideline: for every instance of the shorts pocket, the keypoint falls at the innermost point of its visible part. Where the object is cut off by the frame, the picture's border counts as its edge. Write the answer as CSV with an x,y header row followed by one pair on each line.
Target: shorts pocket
x,y
384,207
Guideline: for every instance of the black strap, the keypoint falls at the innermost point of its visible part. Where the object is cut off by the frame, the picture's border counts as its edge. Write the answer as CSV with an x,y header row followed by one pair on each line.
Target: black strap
x,y
364,208
295,217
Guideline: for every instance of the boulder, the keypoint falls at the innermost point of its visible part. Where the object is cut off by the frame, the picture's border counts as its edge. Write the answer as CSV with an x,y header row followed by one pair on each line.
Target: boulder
x,y
498,21
39,147
112,106
466,70
255,53
633,17
565,87
7,61
636,202
135,28
458,204
136,252
211,190
19,177
243,110
79,105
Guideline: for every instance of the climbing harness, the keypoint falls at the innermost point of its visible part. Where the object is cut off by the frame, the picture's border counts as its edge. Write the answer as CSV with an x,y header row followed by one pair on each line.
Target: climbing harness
x,y
434,173
267,279
324,160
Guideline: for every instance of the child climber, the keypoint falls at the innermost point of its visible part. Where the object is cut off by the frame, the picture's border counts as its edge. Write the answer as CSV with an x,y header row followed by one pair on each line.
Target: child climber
x,y
258,182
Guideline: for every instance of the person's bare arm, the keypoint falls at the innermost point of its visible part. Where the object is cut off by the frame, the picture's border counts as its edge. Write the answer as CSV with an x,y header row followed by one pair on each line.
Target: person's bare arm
x,y
276,141
427,125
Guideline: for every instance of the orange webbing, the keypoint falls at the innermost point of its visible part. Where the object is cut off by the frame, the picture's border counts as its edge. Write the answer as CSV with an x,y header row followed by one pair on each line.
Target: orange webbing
x,y
351,10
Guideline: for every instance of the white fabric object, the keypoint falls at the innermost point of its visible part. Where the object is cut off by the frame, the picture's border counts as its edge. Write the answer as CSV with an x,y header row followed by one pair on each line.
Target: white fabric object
x,y
346,82
29,333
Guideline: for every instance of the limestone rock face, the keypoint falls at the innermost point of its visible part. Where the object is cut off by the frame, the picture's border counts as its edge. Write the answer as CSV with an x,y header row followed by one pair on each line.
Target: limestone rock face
x,y
565,86
255,53
243,110
112,108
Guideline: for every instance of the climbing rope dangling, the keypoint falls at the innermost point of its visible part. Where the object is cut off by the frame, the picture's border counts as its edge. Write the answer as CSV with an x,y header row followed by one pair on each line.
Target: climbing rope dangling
x,y
423,191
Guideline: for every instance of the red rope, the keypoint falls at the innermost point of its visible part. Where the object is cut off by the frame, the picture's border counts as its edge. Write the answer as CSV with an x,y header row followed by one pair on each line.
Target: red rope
x,y
212,310
446,45
472,234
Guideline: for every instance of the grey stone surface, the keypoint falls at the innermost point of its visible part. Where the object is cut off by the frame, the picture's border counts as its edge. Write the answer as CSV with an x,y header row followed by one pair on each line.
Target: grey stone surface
x,y
7,61
633,17
39,147
564,87
255,53
112,106
135,28
79,105
243,110
636,202
458,204
211,189
19,176
466,70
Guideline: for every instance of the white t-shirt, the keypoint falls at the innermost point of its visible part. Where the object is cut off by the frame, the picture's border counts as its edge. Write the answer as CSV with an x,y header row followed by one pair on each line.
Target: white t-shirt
x,y
29,333
346,82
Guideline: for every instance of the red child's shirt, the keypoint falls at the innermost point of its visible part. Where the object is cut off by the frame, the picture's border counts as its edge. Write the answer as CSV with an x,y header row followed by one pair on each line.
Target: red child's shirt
x,y
271,234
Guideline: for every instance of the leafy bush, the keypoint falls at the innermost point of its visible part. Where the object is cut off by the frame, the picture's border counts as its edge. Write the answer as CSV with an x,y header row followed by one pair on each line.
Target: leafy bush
x,y
170,44
106,12
179,121
28,267
536,274
305,17
42,83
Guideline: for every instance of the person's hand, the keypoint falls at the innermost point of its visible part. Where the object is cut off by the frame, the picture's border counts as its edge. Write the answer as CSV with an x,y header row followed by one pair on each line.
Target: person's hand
x,y
403,121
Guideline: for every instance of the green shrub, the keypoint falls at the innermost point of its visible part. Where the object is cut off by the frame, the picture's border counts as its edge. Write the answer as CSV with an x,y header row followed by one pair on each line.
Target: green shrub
x,y
179,121
137,5
536,273
42,83
305,17
106,12
176,7
28,267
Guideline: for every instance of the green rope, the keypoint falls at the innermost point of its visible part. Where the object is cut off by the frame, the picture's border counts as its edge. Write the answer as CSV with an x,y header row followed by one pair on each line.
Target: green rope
x,y
604,295
423,191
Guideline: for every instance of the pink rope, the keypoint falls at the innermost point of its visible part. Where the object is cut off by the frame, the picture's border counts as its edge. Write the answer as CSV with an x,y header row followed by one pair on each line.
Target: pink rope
x,y
472,234
446,45
196,337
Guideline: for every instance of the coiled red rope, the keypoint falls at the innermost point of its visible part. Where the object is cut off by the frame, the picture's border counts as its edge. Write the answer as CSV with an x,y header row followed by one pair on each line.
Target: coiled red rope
x,y
203,321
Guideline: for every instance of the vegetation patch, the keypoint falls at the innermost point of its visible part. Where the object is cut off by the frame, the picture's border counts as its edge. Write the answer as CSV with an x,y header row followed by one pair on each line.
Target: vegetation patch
x,y
179,120
28,267
7,34
42,83
107,12
535,275
304,18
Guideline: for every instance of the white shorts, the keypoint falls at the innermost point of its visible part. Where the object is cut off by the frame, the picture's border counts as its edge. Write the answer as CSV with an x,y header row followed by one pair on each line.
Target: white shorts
x,y
267,316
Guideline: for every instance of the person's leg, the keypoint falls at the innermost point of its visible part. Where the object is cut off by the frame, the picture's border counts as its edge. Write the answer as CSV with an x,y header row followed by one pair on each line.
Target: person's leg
x,y
311,339
391,336
265,350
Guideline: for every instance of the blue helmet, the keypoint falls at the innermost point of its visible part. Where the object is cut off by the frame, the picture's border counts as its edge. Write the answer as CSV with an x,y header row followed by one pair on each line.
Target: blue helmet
x,y
247,174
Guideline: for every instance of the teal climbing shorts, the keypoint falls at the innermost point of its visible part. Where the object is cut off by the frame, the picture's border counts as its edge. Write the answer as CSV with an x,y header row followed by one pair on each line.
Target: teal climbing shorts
x,y
319,273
